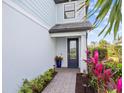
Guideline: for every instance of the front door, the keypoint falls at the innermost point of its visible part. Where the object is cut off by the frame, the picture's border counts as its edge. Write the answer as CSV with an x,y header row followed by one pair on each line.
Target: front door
x,y
73,52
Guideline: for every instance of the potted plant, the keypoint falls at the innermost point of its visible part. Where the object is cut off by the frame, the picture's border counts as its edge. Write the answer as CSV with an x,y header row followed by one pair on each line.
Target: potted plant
x,y
58,60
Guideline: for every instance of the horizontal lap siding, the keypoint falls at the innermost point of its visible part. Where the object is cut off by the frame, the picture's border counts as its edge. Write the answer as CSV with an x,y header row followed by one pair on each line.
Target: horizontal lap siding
x,y
28,50
43,10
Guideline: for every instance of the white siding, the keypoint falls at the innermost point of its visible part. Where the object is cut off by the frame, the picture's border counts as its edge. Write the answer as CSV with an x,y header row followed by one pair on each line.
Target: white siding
x,y
79,15
28,49
50,13
61,49
43,10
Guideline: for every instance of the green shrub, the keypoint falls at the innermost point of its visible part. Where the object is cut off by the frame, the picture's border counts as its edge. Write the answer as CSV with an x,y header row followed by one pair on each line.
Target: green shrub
x,y
115,51
37,85
93,81
102,52
116,68
26,88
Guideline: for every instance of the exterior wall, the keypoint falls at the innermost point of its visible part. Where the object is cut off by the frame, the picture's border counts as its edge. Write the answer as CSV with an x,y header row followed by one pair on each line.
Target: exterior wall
x,y
48,12
61,49
78,14
28,49
43,10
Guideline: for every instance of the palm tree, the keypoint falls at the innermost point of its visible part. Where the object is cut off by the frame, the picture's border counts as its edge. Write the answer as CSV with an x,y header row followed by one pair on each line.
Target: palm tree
x,y
104,7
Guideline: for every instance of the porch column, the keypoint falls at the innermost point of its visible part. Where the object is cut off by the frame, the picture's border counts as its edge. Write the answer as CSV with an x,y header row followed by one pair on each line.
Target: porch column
x,y
83,65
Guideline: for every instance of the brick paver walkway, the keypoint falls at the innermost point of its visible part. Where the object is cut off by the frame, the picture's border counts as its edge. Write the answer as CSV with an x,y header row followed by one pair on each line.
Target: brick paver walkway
x,y
63,82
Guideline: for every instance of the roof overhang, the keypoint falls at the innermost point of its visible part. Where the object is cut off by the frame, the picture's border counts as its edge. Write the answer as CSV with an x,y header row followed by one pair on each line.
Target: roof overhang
x,y
71,27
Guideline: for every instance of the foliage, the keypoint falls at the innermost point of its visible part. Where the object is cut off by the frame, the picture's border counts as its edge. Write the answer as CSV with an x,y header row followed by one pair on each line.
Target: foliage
x,y
117,68
116,52
103,43
110,49
37,85
104,7
92,78
26,88
101,76
102,52
113,91
58,58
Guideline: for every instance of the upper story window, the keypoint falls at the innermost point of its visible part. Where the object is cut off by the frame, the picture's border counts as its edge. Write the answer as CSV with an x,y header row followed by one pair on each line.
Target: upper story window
x,y
63,1
69,11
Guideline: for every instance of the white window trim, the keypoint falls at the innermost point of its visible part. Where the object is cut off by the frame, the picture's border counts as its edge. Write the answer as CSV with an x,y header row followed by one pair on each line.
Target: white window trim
x,y
69,11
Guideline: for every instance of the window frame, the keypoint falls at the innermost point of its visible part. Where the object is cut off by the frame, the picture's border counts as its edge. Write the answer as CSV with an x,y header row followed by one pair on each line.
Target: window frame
x,y
69,11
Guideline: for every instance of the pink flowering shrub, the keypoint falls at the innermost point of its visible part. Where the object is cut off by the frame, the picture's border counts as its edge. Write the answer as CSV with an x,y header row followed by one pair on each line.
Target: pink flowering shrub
x,y
119,85
101,77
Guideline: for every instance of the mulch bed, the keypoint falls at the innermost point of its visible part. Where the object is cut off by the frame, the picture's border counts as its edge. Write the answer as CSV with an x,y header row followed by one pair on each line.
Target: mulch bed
x,y
81,84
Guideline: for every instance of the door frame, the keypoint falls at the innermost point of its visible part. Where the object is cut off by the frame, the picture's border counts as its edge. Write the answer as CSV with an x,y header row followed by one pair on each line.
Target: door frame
x,y
77,46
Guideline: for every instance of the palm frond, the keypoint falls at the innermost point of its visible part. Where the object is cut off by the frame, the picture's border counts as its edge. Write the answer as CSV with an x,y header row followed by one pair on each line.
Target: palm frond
x,y
112,8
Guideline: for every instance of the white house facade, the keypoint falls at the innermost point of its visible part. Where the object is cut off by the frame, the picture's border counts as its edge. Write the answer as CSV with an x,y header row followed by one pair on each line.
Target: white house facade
x,y
35,31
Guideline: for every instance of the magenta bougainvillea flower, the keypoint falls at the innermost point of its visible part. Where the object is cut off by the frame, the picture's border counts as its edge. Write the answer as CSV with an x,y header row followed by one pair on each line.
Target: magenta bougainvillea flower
x,y
96,56
98,71
87,52
100,77
103,76
119,85
99,67
93,59
107,75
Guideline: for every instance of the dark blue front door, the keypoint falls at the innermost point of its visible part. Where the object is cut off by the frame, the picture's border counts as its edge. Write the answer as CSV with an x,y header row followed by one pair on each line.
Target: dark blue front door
x,y
73,52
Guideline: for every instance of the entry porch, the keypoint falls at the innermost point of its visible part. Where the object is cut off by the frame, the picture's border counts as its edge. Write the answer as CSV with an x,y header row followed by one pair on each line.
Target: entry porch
x,y
71,43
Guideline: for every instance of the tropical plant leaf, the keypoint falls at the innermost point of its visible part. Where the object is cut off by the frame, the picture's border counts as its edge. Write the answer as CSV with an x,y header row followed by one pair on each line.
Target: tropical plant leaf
x,y
103,30
104,10
116,27
112,8
108,31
